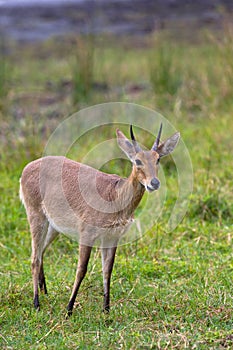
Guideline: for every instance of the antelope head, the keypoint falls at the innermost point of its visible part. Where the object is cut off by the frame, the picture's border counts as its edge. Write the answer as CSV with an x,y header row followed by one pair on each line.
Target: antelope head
x,y
146,163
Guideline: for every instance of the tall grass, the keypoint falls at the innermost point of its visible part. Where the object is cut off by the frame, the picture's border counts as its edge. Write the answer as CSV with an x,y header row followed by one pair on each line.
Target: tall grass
x,y
83,68
165,73
4,75
224,48
203,87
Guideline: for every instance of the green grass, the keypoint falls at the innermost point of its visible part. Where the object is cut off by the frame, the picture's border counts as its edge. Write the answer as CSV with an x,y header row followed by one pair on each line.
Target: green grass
x,y
83,69
169,290
165,75
4,75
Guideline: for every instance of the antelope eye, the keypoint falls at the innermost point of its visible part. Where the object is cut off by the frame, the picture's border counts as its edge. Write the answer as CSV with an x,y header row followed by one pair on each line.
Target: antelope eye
x,y
138,162
158,161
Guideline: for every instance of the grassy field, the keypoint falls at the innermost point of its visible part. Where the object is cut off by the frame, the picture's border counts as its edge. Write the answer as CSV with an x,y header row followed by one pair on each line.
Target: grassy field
x,y
169,290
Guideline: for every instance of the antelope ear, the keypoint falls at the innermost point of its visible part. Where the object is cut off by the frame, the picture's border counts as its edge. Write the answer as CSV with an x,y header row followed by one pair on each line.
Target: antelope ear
x,y
126,146
168,146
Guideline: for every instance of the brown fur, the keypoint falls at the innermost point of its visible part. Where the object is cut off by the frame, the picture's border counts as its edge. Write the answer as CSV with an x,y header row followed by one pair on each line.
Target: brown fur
x,y
64,196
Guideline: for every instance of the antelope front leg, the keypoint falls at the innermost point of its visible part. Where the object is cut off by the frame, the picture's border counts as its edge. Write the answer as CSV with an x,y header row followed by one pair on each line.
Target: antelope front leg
x,y
84,255
108,256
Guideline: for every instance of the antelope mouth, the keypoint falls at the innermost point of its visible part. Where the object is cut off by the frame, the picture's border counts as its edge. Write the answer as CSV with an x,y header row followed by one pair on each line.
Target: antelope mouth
x,y
150,189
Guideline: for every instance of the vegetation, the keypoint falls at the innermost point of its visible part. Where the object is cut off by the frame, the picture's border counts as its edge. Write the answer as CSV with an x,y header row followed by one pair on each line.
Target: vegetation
x,y
4,76
169,290
83,69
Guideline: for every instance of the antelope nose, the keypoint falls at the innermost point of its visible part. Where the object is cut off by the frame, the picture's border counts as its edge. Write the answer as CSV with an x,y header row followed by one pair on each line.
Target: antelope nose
x,y
155,183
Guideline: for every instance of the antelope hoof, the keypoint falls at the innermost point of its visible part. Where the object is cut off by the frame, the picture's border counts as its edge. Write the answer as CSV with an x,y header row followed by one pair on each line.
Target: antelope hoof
x,y
36,303
106,309
69,313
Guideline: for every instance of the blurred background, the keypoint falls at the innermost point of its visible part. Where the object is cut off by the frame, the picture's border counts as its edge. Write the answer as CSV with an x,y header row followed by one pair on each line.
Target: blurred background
x,y
172,290
60,56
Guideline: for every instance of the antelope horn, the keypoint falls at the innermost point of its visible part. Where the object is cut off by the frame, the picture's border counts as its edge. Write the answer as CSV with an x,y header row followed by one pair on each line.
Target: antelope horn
x,y
156,144
135,144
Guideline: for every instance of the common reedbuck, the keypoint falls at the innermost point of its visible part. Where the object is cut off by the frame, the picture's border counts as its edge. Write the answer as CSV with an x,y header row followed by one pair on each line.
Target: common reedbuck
x,y
63,196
